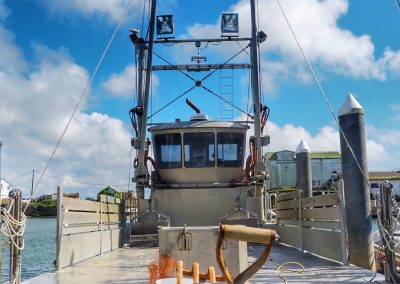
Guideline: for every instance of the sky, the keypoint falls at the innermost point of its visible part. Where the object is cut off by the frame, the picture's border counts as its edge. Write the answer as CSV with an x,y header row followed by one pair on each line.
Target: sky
x,y
49,50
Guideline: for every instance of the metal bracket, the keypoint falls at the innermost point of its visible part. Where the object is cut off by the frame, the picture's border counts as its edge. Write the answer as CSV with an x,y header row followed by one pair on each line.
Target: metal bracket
x,y
185,241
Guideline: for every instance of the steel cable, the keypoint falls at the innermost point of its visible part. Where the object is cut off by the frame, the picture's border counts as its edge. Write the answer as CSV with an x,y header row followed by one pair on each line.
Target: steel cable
x,y
84,93
324,96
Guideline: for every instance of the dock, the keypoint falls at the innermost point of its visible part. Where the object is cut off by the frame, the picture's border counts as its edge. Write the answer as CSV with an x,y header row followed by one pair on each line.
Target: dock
x,y
130,265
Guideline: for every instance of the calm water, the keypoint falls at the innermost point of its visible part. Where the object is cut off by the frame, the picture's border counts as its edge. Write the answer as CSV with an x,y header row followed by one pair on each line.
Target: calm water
x,y
40,248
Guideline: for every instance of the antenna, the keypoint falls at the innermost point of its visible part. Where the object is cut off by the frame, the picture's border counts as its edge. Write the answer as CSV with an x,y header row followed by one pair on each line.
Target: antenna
x,y
198,58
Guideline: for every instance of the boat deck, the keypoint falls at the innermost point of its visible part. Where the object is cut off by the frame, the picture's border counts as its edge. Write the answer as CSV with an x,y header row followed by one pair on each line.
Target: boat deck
x,y
131,266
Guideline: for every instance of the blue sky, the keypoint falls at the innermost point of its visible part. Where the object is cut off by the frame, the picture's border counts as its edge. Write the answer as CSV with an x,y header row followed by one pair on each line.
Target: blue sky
x,y
50,48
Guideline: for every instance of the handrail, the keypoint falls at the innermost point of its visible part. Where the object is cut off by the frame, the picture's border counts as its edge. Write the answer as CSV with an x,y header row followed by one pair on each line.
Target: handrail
x,y
249,234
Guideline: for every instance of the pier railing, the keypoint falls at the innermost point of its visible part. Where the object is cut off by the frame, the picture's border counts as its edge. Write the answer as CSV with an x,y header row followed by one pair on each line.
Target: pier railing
x,y
88,228
314,224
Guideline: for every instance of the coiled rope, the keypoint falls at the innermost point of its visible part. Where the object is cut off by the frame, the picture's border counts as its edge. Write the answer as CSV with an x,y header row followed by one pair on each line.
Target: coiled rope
x,y
388,222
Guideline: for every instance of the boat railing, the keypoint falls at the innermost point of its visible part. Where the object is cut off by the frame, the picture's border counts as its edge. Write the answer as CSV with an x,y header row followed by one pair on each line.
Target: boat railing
x,y
88,228
314,224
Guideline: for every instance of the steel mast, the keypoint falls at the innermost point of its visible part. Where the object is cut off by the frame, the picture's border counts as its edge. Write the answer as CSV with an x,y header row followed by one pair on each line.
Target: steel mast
x,y
255,86
141,176
259,168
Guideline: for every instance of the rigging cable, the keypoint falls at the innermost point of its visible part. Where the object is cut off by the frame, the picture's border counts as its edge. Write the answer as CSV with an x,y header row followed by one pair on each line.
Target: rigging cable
x,y
84,93
143,12
242,49
248,109
231,104
171,102
198,84
169,63
324,96
148,20
397,2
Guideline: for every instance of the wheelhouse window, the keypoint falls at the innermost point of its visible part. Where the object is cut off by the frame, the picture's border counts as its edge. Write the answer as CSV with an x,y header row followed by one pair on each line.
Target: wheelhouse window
x,y
230,149
168,150
199,149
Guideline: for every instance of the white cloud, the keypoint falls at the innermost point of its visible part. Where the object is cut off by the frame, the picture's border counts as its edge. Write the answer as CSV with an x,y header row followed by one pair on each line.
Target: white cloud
x,y
390,61
289,136
272,73
4,11
123,84
113,10
11,59
35,106
323,40
382,152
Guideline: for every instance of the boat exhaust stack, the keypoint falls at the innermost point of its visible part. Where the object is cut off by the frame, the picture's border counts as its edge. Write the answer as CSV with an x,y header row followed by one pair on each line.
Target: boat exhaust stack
x,y
193,106
198,115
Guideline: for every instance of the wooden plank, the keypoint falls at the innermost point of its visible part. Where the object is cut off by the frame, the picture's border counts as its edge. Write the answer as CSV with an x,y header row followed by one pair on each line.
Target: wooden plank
x,y
324,243
59,232
67,230
287,195
321,200
330,213
75,248
332,225
110,239
80,205
109,199
287,214
110,208
73,217
290,222
288,204
289,235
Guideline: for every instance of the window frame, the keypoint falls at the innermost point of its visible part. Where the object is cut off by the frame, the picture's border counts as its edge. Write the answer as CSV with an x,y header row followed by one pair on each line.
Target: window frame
x,y
158,151
186,164
238,163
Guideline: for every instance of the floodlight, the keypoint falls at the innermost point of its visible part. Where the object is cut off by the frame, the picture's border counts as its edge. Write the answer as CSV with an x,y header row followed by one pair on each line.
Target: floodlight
x,y
230,23
165,24
261,36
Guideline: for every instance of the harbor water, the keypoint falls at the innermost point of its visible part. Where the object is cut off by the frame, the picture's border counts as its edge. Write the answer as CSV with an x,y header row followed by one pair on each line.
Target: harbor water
x,y
40,249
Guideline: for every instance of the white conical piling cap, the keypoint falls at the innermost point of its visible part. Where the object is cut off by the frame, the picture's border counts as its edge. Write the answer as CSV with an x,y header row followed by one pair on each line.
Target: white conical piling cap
x,y
350,105
303,147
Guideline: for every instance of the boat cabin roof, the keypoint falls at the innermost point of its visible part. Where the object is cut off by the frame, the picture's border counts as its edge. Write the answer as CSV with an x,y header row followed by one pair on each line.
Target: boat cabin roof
x,y
197,124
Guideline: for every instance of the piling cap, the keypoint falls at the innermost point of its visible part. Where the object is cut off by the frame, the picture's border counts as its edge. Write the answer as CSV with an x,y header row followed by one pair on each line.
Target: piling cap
x,y
350,106
303,147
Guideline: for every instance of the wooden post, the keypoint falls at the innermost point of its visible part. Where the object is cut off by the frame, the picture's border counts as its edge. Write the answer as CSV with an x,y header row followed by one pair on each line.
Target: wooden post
x,y
15,253
101,223
343,230
211,273
60,195
300,220
179,272
196,273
